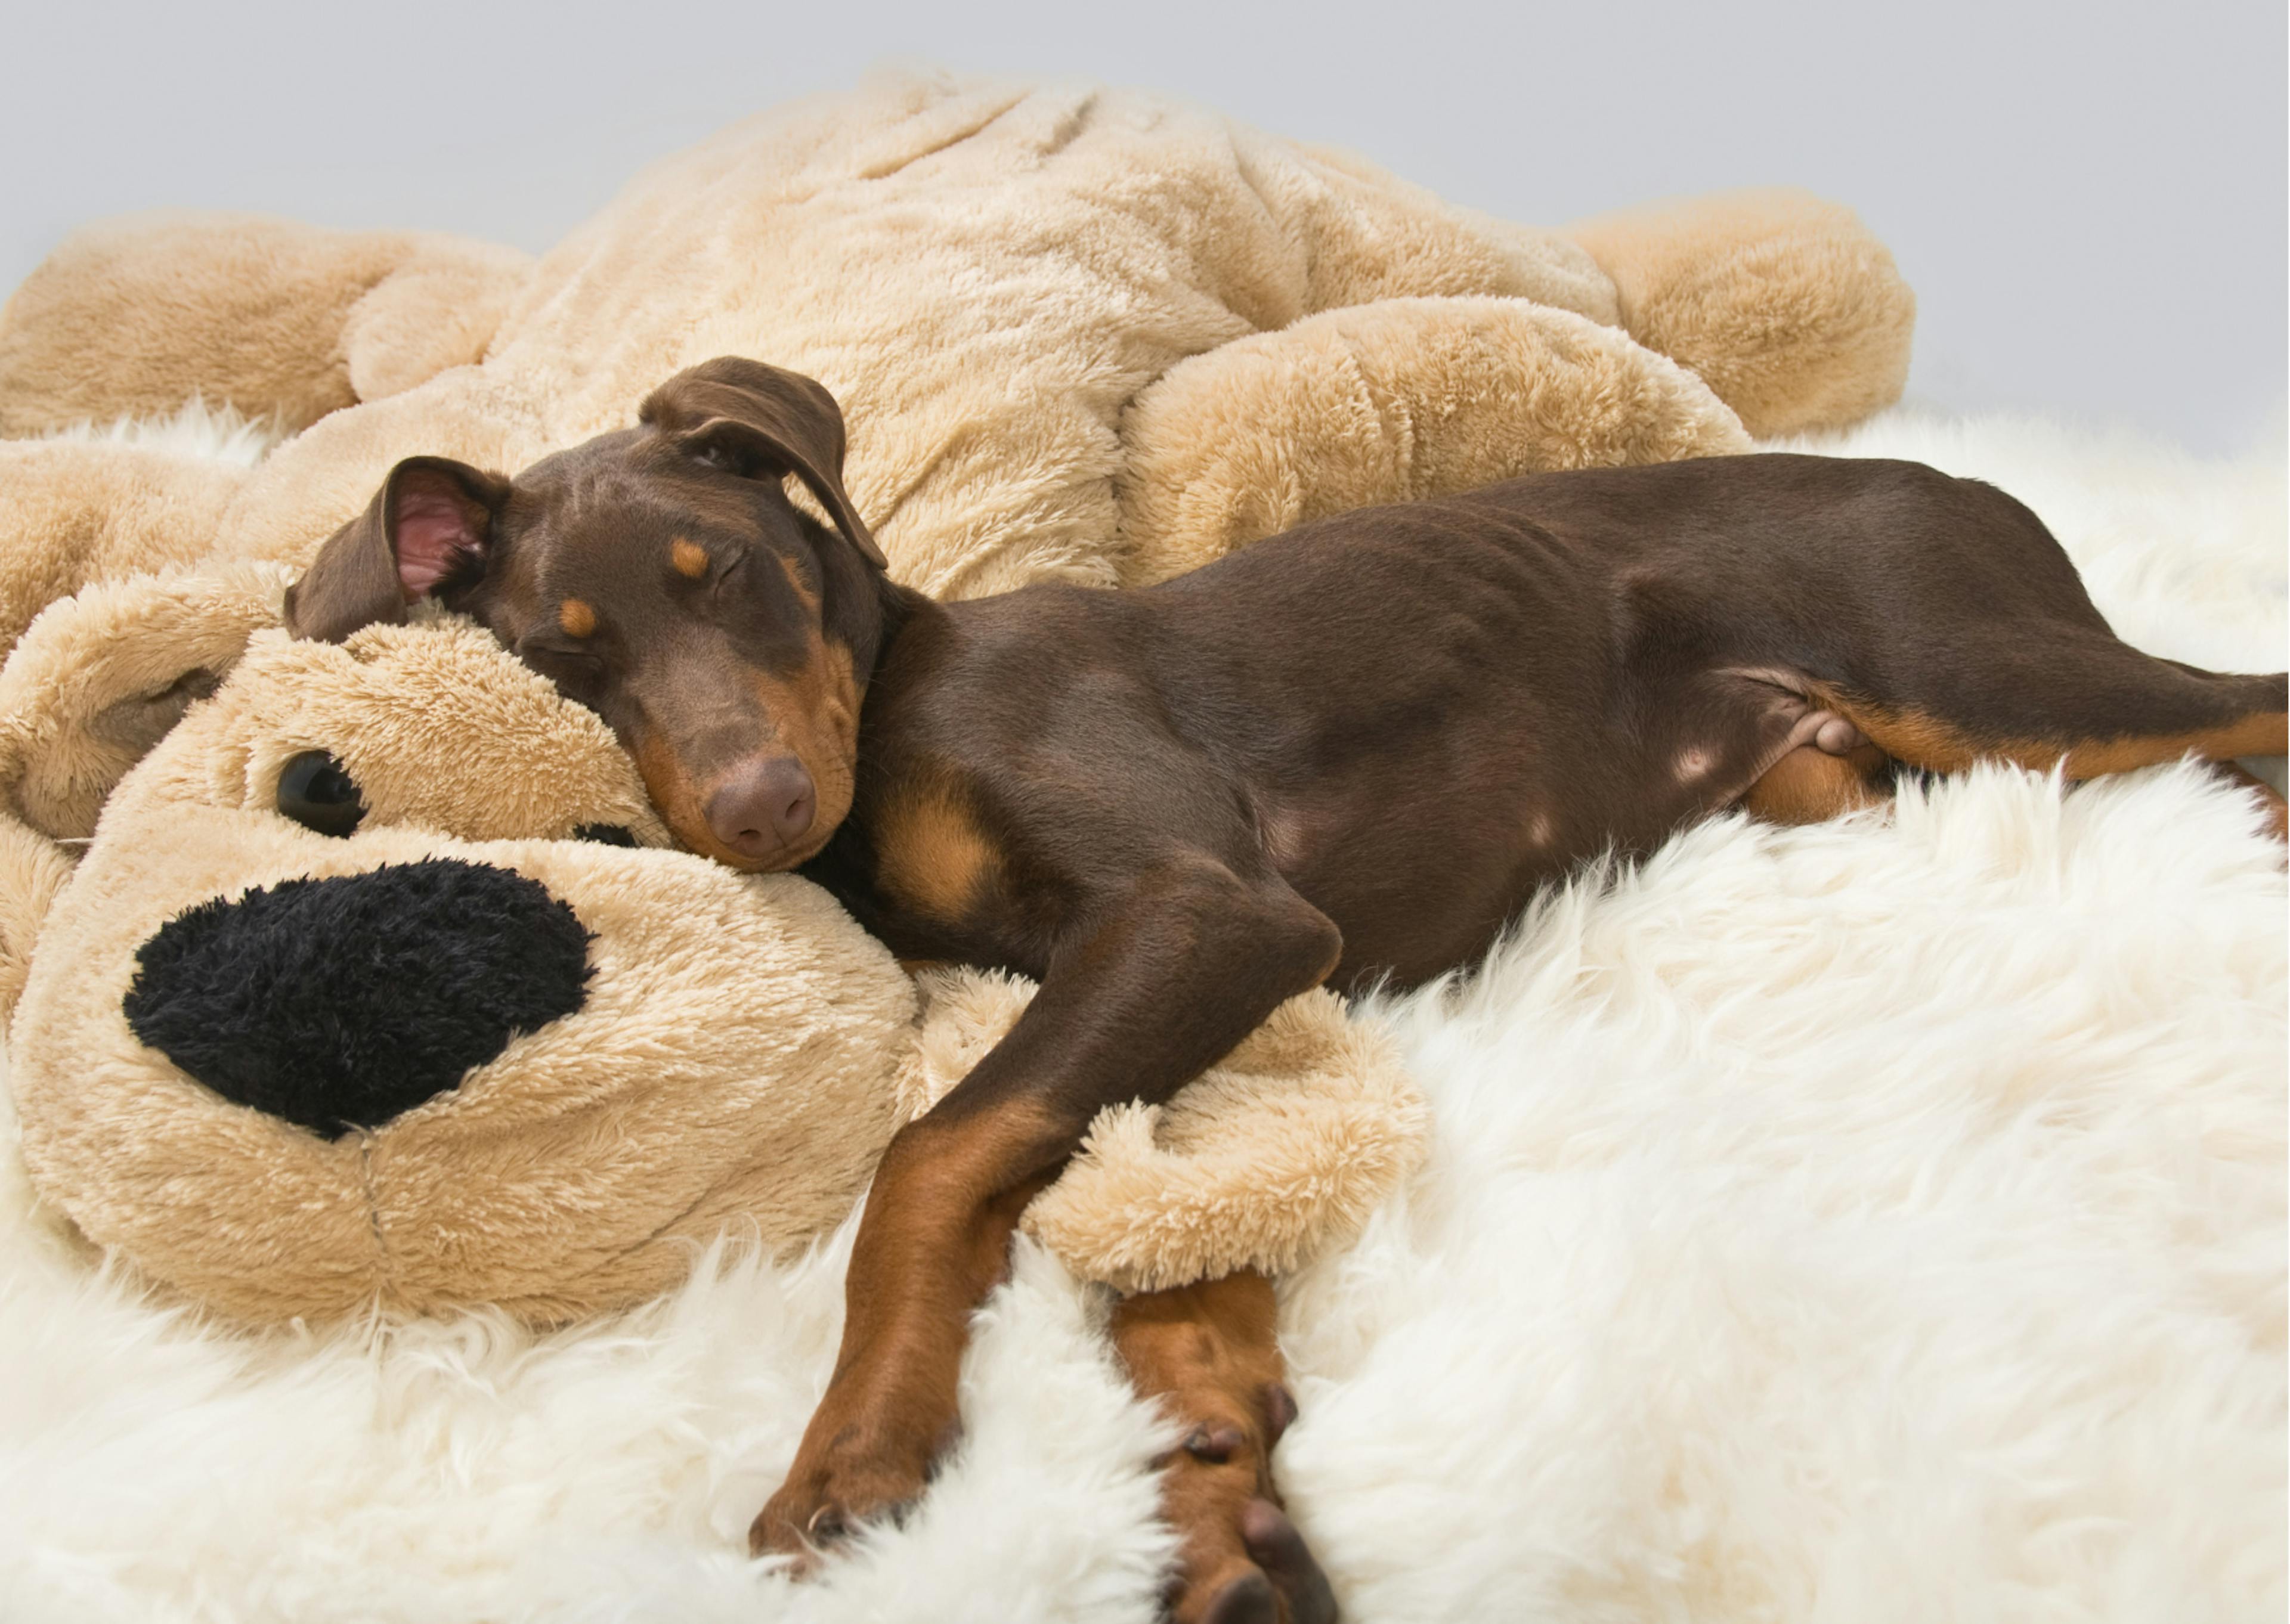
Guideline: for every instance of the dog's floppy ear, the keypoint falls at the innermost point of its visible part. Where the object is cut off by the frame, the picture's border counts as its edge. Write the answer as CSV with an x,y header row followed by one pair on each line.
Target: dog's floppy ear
x,y
428,531
760,420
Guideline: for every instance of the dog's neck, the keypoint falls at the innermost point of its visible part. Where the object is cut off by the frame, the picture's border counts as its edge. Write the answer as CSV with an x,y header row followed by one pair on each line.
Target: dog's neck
x,y
899,610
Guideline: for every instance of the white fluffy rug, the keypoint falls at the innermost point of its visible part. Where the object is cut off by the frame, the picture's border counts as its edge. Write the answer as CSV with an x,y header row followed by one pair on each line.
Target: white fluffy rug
x,y
1880,1220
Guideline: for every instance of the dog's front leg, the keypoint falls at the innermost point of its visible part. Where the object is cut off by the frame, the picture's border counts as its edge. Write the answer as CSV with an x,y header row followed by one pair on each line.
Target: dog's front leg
x,y
1160,976
1210,1353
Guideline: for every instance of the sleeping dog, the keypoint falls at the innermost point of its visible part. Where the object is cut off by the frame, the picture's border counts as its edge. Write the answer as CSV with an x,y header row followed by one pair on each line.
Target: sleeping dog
x,y
1345,755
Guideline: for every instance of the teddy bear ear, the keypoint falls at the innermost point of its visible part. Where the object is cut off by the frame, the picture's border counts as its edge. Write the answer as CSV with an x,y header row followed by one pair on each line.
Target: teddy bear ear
x,y
102,676
96,681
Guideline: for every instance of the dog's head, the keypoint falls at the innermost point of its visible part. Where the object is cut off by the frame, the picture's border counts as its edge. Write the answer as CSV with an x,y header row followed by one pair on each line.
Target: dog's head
x,y
661,577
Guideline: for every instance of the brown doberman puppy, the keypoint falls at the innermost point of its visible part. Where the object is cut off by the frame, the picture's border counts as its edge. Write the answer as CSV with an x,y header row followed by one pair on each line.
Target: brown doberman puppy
x,y
1349,754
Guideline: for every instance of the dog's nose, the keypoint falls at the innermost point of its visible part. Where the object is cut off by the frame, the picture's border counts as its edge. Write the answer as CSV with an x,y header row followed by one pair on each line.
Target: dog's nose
x,y
764,807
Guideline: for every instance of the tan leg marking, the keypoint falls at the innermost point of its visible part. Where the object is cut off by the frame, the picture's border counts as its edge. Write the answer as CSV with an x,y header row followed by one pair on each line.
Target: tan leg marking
x,y
935,1240
1926,741
935,858
1809,784
1210,1354
2277,811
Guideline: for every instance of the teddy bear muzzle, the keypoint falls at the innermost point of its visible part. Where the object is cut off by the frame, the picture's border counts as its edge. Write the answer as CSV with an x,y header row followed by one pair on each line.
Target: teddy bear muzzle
x,y
338,1003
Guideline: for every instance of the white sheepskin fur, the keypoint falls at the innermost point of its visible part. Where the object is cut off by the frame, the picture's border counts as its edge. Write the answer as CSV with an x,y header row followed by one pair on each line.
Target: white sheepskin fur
x,y
213,433
1881,1220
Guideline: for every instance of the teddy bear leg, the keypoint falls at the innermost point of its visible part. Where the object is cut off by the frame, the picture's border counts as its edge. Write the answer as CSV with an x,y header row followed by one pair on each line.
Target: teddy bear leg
x,y
1787,305
1210,1355
134,317
1401,399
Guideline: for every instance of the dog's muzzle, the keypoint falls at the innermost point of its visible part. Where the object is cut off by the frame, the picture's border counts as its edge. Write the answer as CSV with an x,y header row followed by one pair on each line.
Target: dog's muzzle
x,y
338,1003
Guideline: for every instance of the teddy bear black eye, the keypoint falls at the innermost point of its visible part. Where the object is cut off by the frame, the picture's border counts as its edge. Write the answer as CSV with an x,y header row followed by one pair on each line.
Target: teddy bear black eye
x,y
605,834
318,794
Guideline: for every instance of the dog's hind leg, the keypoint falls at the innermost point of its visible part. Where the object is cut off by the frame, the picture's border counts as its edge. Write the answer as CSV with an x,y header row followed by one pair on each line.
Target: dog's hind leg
x,y
1809,784
2278,810
2074,699
1209,1354
2213,715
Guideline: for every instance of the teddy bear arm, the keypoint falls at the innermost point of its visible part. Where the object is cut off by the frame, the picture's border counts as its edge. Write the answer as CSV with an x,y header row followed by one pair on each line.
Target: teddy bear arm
x,y
1399,400
1786,304
1374,236
134,317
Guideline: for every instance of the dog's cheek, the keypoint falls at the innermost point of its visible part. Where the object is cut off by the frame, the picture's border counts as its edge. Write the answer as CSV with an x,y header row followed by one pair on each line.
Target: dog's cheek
x,y
671,792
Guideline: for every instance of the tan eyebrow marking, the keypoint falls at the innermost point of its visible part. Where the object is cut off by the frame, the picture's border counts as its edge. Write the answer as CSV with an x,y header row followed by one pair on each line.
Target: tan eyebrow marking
x,y
577,619
794,580
689,557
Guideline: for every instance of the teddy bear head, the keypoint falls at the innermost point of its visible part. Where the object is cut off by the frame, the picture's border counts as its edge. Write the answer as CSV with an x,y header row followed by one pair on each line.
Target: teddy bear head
x,y
387,933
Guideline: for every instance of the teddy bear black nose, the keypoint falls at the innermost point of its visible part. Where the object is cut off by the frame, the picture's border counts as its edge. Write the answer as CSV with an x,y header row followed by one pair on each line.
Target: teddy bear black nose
x,y
336,1003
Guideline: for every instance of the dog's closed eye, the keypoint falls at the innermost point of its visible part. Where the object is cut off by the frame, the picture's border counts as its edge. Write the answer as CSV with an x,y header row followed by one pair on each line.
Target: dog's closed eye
x,y
578,674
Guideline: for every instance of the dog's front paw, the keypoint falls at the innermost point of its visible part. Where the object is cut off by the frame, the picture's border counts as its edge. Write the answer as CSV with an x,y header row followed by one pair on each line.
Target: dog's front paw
x,y
847,1473
1243,1562
1261,1573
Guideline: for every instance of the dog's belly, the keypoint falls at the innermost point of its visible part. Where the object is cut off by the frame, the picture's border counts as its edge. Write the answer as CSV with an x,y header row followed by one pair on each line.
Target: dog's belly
x,y
1413,910
1422,855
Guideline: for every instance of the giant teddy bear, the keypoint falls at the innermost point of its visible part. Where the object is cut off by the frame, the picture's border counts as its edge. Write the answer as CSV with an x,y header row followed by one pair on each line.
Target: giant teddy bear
x,y
1077,335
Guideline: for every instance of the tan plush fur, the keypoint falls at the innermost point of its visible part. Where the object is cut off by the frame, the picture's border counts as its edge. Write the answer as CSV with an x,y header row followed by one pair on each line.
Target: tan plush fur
x,y
1078,334
1388,402
102,677
131,317
73,512
95,682
1820,345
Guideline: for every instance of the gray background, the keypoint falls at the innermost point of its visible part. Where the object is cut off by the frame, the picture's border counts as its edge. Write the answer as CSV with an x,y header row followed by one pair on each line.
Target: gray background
x,y
2089,200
